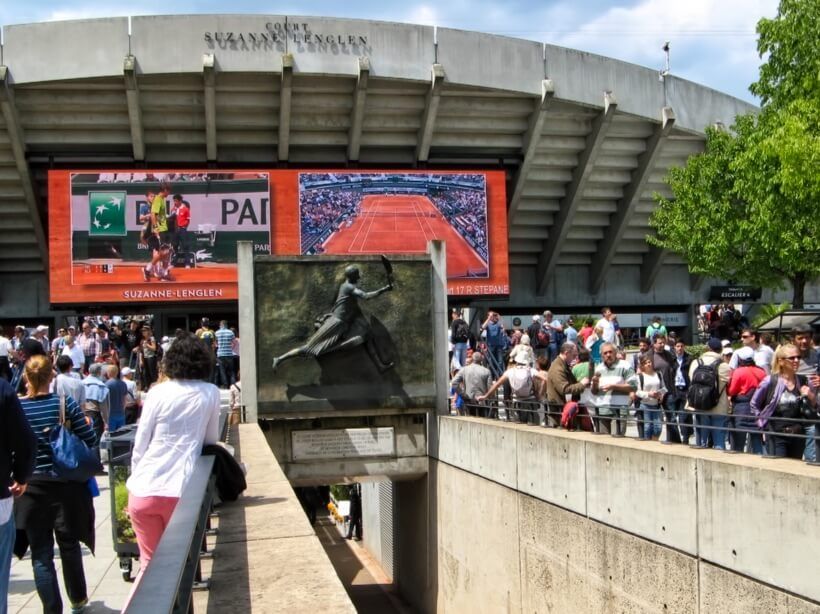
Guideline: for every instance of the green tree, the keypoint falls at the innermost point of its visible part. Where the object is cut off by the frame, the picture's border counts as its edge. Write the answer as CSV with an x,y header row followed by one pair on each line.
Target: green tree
x,y
747,208
792,46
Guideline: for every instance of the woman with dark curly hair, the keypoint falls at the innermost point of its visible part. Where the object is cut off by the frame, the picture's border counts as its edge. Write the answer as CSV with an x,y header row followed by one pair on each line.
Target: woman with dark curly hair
x,y
179,415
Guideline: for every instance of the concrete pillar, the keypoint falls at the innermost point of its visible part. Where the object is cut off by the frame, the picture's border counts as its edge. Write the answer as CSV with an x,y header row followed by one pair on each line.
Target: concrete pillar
x,y
438,255
209,79
285,93
247,320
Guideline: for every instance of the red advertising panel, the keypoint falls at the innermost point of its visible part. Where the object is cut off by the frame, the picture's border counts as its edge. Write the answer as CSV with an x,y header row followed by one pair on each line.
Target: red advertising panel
x,y
384,212
153,236
170,236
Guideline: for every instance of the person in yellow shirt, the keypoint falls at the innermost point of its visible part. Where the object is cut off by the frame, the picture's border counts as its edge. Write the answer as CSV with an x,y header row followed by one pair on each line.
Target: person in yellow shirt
x,y
159,230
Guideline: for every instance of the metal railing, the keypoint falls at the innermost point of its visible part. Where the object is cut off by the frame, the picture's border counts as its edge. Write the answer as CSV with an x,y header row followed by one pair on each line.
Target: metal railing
x,y
168,582
740,432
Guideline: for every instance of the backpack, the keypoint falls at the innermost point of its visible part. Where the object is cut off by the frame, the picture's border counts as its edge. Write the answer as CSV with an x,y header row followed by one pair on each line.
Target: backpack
x,y
461,333
521,386
543,337
574,415
704,389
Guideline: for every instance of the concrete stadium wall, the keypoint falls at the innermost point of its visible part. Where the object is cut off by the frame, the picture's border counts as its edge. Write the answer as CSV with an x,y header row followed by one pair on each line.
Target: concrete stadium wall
x,y
175,44
529,519
672,287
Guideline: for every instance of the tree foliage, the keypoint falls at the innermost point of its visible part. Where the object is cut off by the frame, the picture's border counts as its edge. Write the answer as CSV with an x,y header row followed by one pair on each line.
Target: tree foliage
x,y
747,208
791,42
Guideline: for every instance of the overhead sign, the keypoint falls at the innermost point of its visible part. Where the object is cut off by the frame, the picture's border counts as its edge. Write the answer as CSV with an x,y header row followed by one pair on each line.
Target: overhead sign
x,y
735,293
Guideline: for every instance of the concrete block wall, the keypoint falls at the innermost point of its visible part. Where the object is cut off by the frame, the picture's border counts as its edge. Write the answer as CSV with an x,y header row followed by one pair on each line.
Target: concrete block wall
x,y
574,522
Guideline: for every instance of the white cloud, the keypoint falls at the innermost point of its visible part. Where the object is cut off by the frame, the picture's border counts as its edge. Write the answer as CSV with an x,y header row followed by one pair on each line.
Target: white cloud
x,y
424,15
713,43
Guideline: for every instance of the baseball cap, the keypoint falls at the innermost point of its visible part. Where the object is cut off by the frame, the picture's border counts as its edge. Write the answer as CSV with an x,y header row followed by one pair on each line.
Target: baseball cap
x,y
725,342
42,328
714,344
727,351
127,370
536,318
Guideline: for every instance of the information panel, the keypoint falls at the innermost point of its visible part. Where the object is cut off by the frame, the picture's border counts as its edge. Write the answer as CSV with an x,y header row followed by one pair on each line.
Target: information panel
x,y
390,212
153,236
170,235
343,443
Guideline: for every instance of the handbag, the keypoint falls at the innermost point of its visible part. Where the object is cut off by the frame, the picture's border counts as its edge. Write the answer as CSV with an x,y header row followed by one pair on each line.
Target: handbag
x,y
72,459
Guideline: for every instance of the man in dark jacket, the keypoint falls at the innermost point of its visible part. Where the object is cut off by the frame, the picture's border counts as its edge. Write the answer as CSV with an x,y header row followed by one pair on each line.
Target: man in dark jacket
x,y
18,447
666,364
561,382
676,402
355,525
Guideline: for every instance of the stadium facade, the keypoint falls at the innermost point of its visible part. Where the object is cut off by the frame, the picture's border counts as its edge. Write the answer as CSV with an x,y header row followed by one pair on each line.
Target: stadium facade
x,y
584,140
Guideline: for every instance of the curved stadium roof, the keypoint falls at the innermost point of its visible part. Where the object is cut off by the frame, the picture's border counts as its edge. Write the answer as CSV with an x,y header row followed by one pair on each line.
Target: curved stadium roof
x,y
586,140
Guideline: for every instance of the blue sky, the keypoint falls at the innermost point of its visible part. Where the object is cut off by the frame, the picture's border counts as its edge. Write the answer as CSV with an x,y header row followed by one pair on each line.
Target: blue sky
x,y
713,42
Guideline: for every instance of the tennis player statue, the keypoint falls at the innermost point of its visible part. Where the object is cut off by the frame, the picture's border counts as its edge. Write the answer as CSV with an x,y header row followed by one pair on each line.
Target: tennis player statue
x,y
345,326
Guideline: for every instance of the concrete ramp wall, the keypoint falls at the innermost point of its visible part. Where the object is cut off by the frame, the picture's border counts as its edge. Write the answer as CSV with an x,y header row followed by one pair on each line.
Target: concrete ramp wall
x,y
525,519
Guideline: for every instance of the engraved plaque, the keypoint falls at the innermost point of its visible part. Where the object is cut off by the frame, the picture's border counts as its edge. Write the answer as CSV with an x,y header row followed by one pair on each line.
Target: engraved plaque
x,y
343,443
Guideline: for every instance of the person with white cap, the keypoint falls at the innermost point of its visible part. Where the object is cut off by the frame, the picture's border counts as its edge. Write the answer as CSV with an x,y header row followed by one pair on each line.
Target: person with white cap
x,y
519,377
743,382
132,396
40,333
524,349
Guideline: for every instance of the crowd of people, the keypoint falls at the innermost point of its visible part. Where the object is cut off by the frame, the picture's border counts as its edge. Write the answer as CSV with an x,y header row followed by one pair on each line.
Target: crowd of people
x,y
130,343
760,397
325,206
466,211
81,381
322,211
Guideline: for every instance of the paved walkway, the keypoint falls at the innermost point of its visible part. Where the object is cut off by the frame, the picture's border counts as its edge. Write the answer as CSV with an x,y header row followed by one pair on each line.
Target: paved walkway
x,y
370,590
107,591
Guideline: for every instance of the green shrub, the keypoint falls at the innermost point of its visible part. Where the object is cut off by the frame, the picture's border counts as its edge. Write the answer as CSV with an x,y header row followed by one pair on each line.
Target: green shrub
x,y
125,532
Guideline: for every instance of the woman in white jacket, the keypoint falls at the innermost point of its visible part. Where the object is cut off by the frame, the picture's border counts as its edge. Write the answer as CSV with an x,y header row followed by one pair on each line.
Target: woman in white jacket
x,y
179,416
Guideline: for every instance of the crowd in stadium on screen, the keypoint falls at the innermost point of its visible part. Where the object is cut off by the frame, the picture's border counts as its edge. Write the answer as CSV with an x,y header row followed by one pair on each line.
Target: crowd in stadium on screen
x,y
170,177
466,211
323,211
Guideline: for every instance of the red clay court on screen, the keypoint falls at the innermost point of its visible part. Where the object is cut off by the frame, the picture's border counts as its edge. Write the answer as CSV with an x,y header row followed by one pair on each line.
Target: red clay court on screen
x,y
404,224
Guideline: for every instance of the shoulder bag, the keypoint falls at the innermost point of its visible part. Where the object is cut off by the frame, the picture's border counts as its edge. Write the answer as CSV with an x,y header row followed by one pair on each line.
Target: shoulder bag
x,y
72,459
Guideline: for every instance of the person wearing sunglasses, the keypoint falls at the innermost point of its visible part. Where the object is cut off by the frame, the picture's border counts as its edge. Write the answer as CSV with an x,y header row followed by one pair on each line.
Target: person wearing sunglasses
x,y
782,399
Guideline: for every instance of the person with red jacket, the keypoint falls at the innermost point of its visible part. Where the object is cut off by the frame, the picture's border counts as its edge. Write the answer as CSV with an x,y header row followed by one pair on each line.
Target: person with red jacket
x,y
182,212
742,385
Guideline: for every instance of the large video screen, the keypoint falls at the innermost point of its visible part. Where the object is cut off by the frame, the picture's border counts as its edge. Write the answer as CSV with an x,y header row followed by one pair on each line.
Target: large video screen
x,y
384,212
157,236
153,236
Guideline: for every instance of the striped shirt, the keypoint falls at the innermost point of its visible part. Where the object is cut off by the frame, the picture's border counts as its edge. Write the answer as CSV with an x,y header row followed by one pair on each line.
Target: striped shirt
x,y
224,339
43,413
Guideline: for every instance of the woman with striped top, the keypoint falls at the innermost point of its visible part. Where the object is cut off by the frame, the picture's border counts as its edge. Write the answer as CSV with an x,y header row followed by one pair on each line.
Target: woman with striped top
x,y
51,507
